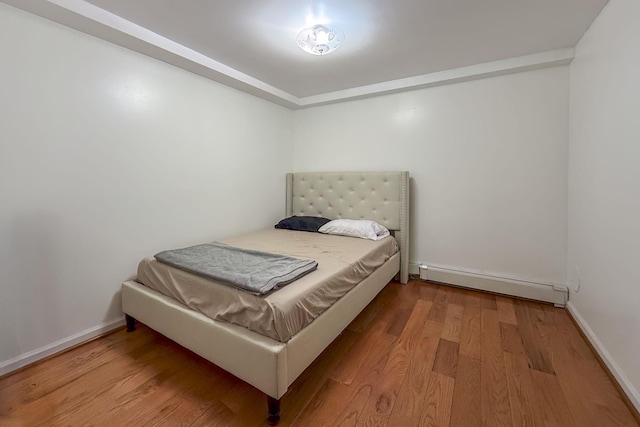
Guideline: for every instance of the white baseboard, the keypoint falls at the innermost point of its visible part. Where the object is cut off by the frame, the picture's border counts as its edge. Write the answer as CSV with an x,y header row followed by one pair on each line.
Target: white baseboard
x,y
53,348
556,294
624,382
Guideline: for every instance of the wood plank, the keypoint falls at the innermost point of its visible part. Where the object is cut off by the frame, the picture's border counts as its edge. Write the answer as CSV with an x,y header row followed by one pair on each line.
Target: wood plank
x,y
216,415
242,399
346,371
62,402
453,323
382,398
496,409
332,398
436,409
399,322
142,404
384,394
394,298
506,314
63,360
160,365
423,290
438,310
466,410
591,395
429,343
44,379
408,407
361,384
364,384
350,415
363,377
556,328
511,340
446,361
310,382
489,321
481,299
156,399
552,400
471,332
185,412
457,295
528,319
526,409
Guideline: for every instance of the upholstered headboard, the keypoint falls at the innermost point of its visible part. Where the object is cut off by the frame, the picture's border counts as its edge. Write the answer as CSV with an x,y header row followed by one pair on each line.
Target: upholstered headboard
x,y
379,196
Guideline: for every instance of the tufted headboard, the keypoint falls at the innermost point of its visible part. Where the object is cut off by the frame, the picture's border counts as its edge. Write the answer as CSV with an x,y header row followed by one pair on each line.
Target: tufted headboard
x,y
379,196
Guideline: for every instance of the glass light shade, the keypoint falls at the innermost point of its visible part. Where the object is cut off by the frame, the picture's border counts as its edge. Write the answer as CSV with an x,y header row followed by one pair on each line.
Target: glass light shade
x,y
320,39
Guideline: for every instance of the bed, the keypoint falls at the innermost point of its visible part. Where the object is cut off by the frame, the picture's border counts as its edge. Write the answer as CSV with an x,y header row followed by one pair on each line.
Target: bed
x,y
272,363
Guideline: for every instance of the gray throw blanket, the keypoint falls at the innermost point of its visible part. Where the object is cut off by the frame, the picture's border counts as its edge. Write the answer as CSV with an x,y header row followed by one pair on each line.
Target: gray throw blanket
x,y
252,271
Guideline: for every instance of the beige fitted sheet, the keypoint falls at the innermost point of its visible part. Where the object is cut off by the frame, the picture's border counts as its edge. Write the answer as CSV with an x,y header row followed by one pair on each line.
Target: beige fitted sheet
x,y
342,263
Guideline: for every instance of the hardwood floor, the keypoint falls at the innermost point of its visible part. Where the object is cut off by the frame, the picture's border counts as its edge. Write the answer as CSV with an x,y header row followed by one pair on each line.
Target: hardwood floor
x,y
420,354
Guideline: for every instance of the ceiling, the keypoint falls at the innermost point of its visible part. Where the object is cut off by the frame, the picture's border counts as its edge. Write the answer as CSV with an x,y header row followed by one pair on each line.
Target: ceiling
x,y
389,45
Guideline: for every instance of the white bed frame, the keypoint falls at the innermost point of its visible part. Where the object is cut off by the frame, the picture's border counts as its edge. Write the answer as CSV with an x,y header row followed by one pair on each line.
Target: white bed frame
x,y
269,365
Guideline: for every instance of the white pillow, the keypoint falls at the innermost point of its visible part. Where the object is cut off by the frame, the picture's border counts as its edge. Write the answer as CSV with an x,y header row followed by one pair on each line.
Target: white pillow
x,y
362,228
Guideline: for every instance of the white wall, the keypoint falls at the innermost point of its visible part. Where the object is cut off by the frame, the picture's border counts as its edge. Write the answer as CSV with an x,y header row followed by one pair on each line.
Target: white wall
x,y
107,156
604,187
488,161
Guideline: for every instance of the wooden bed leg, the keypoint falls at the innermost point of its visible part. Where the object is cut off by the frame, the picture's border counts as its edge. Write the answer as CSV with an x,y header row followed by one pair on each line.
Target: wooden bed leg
x,y
274,411
131,323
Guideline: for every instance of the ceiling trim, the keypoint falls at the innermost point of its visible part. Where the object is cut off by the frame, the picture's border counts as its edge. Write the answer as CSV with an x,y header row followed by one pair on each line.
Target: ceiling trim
x,y
456,75
90,19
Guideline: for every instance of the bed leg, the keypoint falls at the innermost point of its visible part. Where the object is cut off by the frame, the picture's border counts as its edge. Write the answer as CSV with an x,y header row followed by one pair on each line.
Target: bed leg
x,y
131,323
274,411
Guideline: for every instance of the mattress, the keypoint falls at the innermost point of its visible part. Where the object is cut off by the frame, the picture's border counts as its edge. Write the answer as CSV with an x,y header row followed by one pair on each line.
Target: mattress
x,y
342,263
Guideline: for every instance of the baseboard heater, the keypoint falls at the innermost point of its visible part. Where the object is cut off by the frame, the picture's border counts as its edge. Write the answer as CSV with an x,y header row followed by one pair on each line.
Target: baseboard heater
x,y
555,294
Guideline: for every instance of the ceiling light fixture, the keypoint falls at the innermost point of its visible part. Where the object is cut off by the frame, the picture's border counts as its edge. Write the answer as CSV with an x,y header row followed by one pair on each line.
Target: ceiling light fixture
x,y
320,39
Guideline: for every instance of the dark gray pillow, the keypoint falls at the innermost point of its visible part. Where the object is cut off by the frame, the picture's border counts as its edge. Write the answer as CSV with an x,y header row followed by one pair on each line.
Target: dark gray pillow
x,y
302,223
